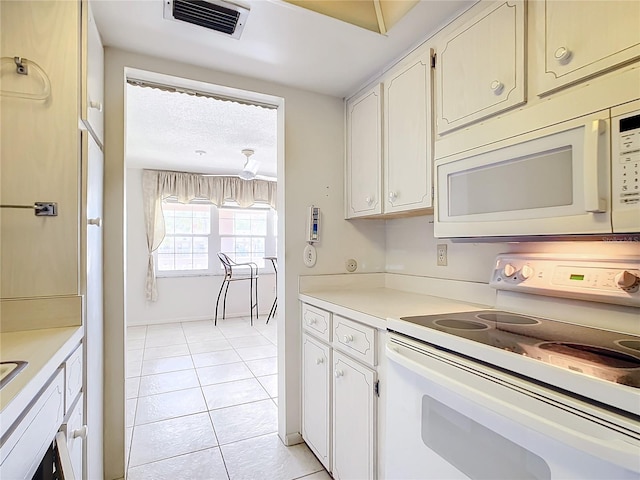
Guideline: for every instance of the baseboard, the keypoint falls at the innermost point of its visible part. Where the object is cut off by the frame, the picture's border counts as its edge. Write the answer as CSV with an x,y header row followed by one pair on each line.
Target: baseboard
x,y
293,439
188,319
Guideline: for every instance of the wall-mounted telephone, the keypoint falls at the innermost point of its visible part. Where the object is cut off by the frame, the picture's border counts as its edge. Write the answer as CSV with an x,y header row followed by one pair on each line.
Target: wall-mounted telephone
x,y
312,236
313,225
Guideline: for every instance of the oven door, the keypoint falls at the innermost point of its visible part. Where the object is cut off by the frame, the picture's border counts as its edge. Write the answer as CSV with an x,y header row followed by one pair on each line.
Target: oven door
x,y
448,418
554,181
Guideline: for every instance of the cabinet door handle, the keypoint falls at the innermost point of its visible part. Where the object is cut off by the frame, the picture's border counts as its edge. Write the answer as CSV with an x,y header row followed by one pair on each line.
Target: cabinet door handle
x,y
347,338
95,105
369,200
497,86
95,221
312,321
338,373
563,55
82,432
319,361
392,196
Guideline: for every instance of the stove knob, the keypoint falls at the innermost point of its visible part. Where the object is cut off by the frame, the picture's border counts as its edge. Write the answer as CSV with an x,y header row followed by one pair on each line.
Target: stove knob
x,y
508,270
526,272
626,279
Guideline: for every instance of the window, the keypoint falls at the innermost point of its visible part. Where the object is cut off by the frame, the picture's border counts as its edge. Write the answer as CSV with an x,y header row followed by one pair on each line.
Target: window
x,y
243,234
194,233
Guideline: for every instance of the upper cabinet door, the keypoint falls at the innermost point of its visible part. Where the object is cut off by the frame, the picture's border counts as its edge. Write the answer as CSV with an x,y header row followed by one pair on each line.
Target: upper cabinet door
x,y
481,66
408,135
93,75
364,154
580,39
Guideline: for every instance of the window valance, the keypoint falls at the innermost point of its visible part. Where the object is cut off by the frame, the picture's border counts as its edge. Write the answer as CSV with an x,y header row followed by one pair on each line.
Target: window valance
x,y
158,185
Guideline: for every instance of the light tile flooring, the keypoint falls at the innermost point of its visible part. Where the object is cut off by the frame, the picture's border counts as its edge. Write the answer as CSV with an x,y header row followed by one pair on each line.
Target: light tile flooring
x,y
202,404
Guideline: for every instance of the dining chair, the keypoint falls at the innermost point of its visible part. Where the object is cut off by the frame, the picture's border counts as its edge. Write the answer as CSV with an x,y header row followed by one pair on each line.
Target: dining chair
x,y
234,272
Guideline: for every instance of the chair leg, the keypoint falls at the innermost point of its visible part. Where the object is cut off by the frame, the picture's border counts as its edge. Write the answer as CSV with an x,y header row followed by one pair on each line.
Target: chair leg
x,y
215,321
224,301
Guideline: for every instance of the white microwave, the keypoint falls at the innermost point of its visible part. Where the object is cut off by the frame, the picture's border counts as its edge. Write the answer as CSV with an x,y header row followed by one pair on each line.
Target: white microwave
x,y
577,177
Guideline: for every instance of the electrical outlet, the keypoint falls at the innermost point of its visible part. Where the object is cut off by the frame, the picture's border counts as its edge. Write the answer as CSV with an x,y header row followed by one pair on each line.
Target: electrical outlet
x,y
351,265
442,254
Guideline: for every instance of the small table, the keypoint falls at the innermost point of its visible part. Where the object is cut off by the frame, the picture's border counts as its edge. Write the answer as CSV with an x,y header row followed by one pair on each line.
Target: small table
x,y
274,307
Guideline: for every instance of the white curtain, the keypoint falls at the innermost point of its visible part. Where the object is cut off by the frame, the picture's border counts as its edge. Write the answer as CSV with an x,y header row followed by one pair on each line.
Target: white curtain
x,y
158,185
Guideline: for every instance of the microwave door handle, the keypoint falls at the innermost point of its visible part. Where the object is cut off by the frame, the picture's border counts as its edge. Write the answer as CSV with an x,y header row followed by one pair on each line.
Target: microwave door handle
x,y
594,201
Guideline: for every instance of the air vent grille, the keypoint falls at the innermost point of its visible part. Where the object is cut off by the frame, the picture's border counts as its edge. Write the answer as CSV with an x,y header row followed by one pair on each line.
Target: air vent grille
x,y
221,16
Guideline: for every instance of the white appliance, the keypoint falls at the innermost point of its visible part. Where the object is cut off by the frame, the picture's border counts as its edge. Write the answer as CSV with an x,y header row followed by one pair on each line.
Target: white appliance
x,y
577,177
496,394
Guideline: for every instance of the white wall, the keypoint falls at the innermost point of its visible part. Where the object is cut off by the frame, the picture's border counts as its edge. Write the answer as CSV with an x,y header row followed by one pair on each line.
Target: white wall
x,y
179,298
312,174
411,249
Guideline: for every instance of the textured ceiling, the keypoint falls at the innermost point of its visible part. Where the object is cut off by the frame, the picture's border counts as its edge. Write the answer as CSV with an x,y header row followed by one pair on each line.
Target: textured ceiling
x,y
164,130
280,43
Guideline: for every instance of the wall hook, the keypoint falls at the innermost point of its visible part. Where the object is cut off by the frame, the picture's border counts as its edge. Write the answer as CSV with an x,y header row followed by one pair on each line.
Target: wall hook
x,y
21,67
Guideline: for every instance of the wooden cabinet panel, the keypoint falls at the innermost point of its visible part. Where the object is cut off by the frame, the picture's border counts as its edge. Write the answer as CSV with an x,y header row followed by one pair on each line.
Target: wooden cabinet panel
x,y
354,413
576,40
364,154
39,150
481,66
316,394
408,151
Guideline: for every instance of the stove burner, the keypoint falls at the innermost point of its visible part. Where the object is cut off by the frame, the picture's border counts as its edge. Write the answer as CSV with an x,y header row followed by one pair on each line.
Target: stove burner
x,y
508,318
631,344
460,324
598,355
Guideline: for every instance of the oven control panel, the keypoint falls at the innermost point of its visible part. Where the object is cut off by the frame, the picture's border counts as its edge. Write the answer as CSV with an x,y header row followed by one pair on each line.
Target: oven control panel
x,y
595,279
625,171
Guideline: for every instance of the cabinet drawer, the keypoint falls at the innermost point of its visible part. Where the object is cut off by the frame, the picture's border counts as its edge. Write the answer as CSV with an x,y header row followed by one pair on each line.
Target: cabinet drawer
x,y
23,450
73,376
75,434
316,322
355,339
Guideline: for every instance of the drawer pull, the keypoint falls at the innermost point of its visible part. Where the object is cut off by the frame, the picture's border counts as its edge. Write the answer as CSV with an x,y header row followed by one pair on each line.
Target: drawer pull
x,y
319,361
81,432
312,321
95,105
347,338
338,373
369,200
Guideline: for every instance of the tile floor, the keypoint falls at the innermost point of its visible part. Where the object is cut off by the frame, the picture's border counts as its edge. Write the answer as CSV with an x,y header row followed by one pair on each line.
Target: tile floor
x,y
202,404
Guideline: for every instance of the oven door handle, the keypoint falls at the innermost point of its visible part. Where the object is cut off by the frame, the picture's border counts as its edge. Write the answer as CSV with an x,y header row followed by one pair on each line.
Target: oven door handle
x,y
615,451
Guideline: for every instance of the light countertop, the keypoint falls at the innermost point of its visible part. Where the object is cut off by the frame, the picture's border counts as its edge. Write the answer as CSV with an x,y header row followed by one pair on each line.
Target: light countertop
x,y
374,304
45,350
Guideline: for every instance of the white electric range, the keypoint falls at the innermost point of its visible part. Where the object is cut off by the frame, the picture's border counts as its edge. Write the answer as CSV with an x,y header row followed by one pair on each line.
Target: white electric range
x,y
509,393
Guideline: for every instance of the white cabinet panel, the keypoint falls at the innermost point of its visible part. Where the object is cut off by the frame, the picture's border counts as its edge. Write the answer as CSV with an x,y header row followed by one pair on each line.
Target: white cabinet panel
x,y
576,40
93,74
481,66
316,394
354,413
364,154
73,374
355,339
408,151
317,322
75,434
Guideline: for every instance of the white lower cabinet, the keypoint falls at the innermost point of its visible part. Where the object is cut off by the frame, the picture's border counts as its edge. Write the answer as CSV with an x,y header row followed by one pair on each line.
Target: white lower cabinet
x,y
316,388
354,413
339,396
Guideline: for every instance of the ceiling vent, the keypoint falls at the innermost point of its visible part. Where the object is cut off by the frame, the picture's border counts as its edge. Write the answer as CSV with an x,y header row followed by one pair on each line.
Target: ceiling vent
x,y
224,17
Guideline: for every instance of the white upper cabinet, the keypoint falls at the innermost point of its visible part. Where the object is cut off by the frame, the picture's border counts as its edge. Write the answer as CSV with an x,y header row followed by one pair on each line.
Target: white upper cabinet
x,y
93,75
481,66
364,154
408,151
577,40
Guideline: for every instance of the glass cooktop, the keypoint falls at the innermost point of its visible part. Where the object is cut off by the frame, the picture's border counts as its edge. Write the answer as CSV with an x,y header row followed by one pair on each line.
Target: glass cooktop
x,y
599,353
